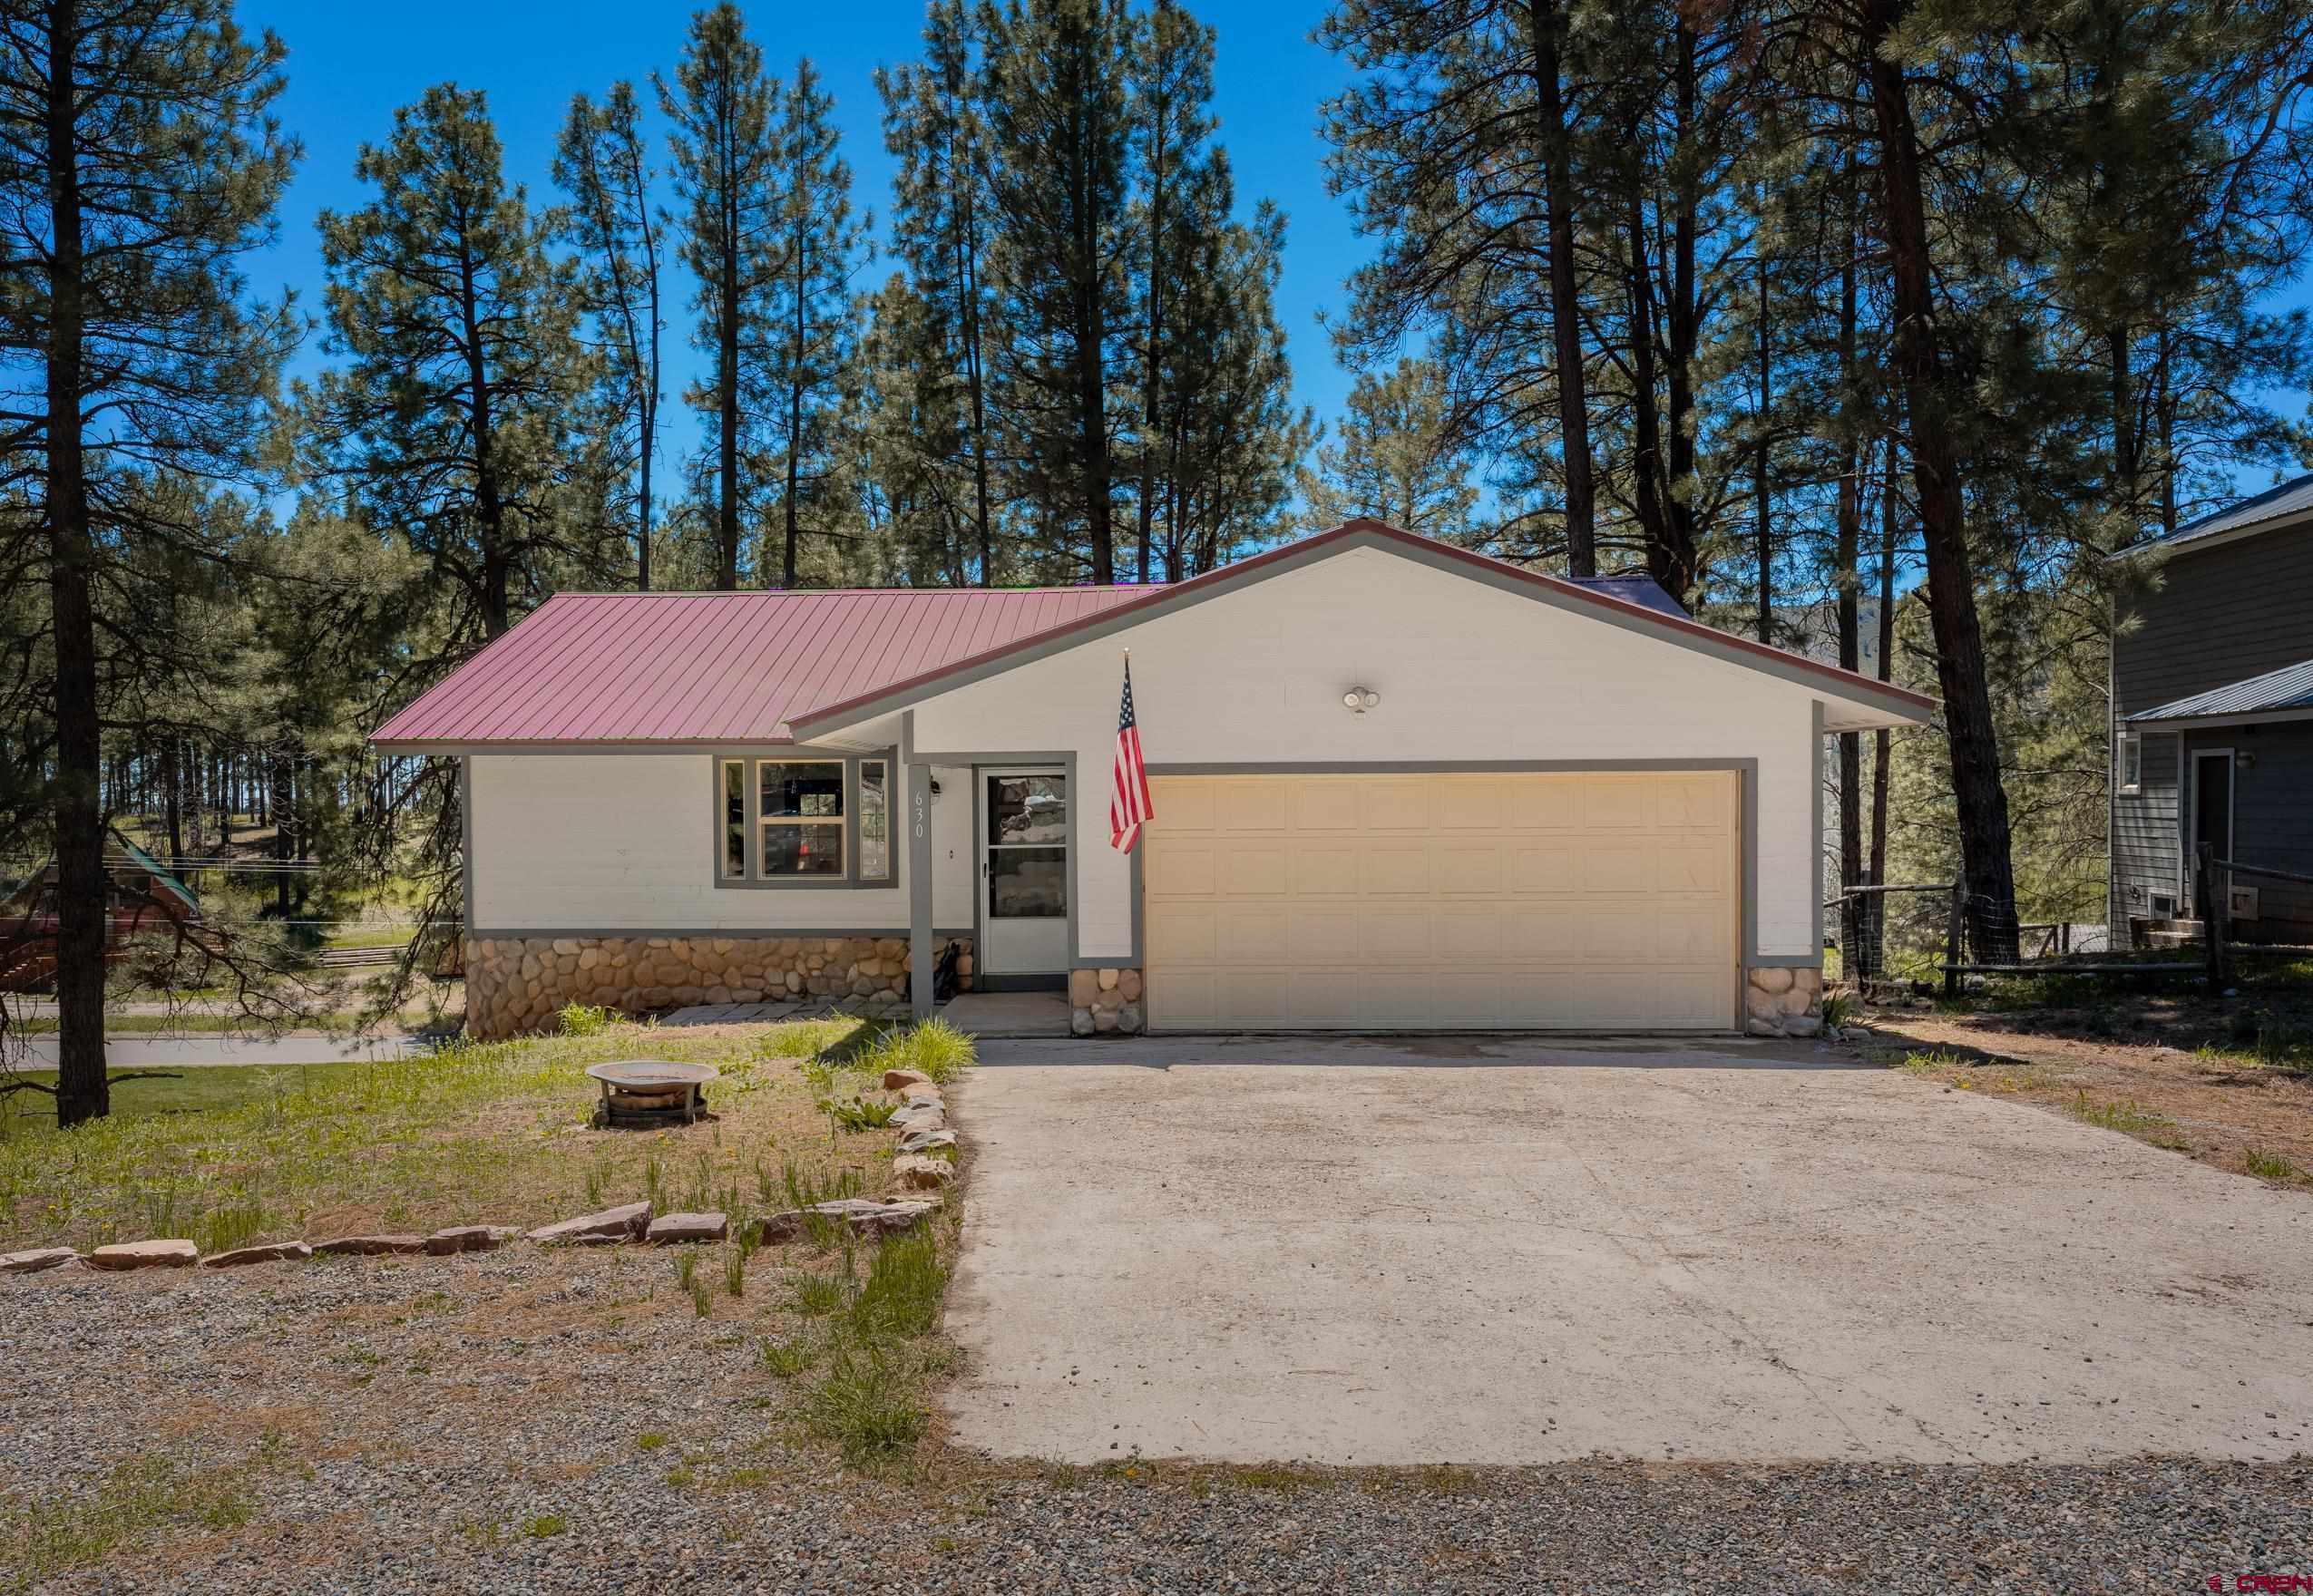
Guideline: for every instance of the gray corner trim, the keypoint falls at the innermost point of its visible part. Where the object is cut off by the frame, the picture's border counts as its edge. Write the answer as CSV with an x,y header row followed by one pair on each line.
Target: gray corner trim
x,y
465,843
732,933
921,974
851,760
982,764
1818,738
1690,635
1745,768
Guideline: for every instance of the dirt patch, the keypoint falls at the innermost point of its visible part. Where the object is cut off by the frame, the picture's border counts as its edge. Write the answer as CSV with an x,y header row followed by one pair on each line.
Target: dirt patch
x,y
2222,1108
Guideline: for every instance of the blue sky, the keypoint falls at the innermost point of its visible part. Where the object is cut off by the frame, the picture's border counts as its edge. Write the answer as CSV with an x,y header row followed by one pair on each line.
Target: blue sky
x,y
350,65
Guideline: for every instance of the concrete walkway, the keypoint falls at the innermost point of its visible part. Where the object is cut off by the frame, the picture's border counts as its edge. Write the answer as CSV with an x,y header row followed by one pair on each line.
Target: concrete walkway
x,y
1366,1254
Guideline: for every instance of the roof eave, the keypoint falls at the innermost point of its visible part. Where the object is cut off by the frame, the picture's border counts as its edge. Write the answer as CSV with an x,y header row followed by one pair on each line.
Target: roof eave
x,y
1912,708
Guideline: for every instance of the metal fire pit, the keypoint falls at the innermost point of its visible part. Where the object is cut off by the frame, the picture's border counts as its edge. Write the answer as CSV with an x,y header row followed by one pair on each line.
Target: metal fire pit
x,y
646,1093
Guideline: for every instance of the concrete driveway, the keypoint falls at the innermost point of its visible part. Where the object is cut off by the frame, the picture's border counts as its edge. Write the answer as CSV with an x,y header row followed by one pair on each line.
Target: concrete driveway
x,y
1491,1251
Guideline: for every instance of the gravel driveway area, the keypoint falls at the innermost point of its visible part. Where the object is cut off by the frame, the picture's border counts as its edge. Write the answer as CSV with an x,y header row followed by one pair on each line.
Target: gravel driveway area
x,y
1506,1253
560,1422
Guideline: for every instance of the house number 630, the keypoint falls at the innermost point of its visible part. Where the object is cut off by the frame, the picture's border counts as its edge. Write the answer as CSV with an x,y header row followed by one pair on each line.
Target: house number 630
x,y
922,808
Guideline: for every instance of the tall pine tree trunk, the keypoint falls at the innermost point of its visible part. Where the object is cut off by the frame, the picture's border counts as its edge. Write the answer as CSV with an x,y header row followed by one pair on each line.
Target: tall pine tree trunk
x,y
1981,800
794,416
1850,537
727,393
1882,744
82,1093
1545,22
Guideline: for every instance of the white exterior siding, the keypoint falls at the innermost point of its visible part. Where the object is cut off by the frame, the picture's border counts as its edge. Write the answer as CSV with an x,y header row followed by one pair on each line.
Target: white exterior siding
x,y
1467,672
618,842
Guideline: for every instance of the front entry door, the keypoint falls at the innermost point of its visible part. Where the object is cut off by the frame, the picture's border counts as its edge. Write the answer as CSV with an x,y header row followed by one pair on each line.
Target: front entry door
x,y
1024,873
2211,805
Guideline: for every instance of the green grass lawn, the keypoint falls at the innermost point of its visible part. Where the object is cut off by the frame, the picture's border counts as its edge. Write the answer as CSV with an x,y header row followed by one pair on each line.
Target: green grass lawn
x,y
494,1133
195,1091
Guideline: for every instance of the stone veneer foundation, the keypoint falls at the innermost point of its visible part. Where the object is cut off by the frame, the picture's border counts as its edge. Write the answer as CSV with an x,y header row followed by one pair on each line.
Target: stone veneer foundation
x,y
1104,1000
517,984
1784,1002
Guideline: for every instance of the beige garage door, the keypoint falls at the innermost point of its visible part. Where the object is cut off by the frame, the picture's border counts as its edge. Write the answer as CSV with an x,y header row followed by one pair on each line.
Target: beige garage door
x,y
1445,901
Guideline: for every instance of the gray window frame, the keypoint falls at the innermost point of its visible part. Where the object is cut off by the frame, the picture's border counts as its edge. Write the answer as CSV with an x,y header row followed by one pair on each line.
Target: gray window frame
x,y
2131,750
751,761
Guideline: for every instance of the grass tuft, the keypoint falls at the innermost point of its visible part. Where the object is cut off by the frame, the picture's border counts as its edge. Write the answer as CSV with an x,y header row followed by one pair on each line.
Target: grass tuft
x,y
2131,1119
581,1019
864,1406
2273,1167
903,1289
933,1048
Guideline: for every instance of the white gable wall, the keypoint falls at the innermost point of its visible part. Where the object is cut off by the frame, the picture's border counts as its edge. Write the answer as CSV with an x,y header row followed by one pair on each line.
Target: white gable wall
x,y
1467,672
615,842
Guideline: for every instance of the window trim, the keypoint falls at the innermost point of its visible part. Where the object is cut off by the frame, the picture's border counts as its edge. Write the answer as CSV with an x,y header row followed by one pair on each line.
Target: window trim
x,y
751,763
2130,746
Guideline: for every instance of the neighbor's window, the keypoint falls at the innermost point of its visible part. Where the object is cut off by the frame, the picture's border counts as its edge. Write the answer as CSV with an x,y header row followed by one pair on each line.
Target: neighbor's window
x,y
799,813
2131,762
735,818
875,820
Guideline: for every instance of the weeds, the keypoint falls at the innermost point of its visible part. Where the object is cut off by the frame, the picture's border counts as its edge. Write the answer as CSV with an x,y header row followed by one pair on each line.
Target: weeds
x,y
786,1359
905,1285
856,1115
2273,1167
864,1407
45,1538
734,1257
817,1296
544,1525
580,1019
687,1278
933,1048
2131,1119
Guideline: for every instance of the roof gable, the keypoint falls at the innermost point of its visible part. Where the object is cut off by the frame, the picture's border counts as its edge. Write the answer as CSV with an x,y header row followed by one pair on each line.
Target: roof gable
x,y
1663,622
774,668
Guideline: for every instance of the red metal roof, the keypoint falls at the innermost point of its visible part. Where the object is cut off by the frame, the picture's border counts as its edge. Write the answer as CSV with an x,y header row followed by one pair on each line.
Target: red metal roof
x,y
747,667
721,668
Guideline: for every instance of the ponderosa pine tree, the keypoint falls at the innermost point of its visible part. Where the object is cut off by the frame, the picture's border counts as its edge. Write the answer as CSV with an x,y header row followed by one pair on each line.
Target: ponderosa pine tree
x,y
932,320
1059,140
602,161
450,420
1394,460
723,106
812,345
139,163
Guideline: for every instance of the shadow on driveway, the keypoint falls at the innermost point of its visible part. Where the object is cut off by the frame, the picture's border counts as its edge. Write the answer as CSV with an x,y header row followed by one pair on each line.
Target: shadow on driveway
x,y
1455,1050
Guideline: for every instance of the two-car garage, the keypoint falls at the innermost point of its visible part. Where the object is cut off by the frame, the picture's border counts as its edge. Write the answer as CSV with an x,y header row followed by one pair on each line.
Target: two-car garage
x,y
1447,900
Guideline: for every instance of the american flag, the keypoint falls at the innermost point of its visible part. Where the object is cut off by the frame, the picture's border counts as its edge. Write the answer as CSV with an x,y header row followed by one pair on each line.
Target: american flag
x,y
1129,808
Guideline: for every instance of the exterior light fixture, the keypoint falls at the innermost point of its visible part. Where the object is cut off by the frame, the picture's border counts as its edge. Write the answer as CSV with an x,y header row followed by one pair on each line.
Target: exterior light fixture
x,y
1357,700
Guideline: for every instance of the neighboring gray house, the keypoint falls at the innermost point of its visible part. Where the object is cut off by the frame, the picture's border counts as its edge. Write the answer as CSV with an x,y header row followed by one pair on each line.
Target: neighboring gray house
x,y
2213,708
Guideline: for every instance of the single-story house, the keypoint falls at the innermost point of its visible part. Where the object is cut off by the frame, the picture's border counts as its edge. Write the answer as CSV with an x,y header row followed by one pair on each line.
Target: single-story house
x,y
1396,785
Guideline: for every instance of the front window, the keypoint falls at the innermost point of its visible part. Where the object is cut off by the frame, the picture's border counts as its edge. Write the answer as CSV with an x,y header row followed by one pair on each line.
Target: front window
x,y
734,819
2131,762
875,820
800,813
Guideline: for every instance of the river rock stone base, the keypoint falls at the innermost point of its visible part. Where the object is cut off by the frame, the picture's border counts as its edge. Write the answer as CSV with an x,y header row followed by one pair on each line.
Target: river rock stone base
x,y
1105,1002
520,984
1782,1002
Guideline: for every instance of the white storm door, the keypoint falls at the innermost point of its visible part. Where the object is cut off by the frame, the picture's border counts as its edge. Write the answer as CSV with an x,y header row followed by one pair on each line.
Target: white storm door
x,y
1023,873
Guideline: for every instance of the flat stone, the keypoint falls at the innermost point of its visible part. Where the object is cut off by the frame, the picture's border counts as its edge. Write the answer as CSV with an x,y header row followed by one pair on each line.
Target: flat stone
x,y
924,1141
899,1080
269,1252
924,1174
866,1216
627,1220
176,1253
469,1238
1770,978
1801,1025
38,1258
371,1246
671,1228
916,1095
921,1116
1755,1027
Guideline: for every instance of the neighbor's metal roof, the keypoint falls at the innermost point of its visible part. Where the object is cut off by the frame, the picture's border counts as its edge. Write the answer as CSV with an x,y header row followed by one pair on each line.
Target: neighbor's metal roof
x,y
2283,502
726,668
2289,687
